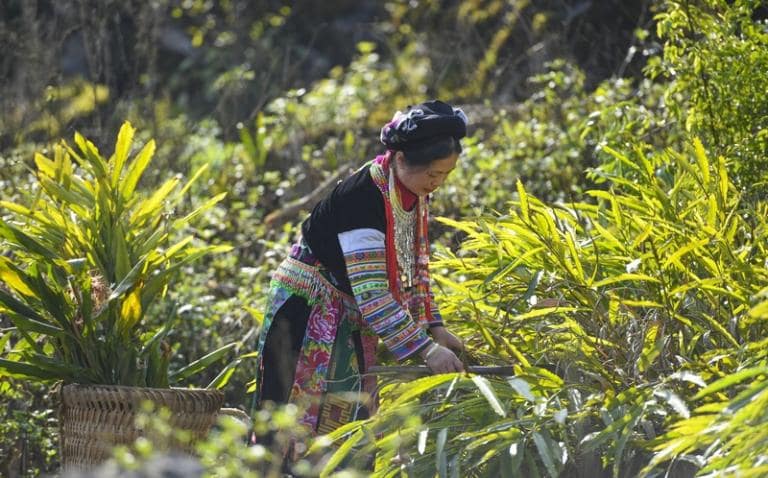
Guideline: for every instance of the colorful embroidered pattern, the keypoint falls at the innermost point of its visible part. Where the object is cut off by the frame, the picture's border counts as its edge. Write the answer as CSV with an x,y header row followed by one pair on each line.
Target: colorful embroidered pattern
x,y
367,270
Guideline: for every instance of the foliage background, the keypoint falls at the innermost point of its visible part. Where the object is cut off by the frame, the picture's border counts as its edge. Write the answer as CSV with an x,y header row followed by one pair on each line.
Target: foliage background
x,y
607,137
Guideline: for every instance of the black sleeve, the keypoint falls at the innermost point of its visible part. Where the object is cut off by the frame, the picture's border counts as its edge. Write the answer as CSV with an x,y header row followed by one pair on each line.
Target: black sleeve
x,y
355,203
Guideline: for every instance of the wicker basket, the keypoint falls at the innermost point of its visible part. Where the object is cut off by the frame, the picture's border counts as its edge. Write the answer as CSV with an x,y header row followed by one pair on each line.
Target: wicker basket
x,y
95,418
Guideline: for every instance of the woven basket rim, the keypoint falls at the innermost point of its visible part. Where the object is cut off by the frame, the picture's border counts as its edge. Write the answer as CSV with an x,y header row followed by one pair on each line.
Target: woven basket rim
x,y
83,386
87,393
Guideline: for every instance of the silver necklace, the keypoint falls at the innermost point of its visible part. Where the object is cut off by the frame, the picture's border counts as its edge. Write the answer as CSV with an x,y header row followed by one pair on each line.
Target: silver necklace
x,y
405,233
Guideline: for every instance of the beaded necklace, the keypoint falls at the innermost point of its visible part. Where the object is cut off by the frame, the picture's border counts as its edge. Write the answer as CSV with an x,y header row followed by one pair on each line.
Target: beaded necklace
x,y
405,233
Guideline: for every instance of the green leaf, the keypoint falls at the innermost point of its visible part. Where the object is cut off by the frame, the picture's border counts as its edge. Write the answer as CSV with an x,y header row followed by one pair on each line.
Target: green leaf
x,y
420,386
441,459
341,453
623,159
545,452
33,326
136,169
485,389
674,401
731,380
522,388
625,278
691,246
178,224
202,363
222,379
15,279
652,345
154,204
92,155
26,370
701,159
122,148
20,308
523,201
26,242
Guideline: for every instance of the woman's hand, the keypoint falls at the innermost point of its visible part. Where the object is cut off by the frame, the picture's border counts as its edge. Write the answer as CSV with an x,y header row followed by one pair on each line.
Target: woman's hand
x,y
447,339
440,359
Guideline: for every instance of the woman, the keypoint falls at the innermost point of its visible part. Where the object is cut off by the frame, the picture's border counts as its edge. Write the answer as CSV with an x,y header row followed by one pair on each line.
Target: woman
x,y
359,275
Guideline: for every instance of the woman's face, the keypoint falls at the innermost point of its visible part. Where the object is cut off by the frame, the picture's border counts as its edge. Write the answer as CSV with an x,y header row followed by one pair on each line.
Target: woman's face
x,y
422,180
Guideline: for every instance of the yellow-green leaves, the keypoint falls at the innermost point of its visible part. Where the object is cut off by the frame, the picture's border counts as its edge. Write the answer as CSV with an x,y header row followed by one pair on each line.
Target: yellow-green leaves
x,y
523,201
130,311
88,258
136,168
122,148
702,161
13,278
486,391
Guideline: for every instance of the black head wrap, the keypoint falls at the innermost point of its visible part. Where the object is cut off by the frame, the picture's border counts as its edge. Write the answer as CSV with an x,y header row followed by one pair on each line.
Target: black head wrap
x,y
421,123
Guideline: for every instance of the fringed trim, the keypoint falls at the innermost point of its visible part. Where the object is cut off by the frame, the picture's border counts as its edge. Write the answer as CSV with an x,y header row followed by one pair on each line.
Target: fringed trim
x,y
306,281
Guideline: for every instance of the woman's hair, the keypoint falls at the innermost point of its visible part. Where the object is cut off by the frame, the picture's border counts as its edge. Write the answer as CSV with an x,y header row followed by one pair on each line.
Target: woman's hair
x,y
421,155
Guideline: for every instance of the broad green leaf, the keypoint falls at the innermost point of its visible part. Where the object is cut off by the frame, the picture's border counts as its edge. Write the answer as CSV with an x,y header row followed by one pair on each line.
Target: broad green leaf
x,y
609,236
192,215
441,459
643,236
418,387
523,201
45,166
731,380
18,307
341,453
579,275
136,169
692,246
623,159
703,162
522,387
14,278
25,370
222,379
652,345
202,363
16,208
154,204
62,195
17,237
130,311
545,452
31,325
544,311
121,256
625,278
465,226
485,389
618,218
130,279
122,148
92,156
723,182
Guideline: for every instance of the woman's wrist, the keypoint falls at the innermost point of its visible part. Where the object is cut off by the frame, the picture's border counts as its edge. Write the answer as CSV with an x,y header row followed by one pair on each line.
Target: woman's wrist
x,y
429,350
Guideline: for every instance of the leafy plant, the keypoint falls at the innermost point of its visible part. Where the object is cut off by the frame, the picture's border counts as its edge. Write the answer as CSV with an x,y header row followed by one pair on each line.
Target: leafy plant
x,y
614,312
86,259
